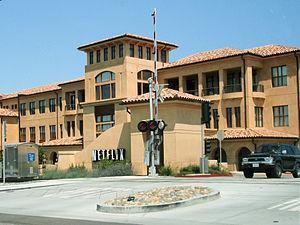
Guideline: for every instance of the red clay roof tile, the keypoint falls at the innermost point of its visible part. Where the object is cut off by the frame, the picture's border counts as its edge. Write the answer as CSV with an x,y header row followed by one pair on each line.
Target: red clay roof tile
x,y
8,113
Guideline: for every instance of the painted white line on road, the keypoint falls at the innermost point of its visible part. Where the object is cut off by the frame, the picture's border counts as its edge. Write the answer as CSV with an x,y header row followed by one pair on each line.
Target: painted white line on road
x,y
290,205
285,203
295,209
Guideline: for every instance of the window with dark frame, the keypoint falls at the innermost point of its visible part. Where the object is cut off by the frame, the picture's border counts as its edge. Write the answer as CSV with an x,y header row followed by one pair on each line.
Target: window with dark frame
x,y
32,134
105,85
142,84
52,104
229,117
105,54
60,103
121,50
280,116
279,76
52,132
237,112
32,108
81,127
61,131
42,133
69,128
23,109
216,118
148,53
163,55
73,128
91,57
131,50
113,52
259,116
140,51
98,56
22,134
42,106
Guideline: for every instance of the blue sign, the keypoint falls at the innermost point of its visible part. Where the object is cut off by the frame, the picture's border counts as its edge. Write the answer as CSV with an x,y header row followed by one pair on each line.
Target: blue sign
x,y
31,157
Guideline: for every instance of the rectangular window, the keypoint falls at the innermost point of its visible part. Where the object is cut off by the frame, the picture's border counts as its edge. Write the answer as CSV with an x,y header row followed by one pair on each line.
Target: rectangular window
x,y
69,128
121,50
281,116
131,50
279,76
105,91
113,52
148,53
42,106
73,128
42,133
32,134
52,104
259,116
91,57
237,112
60,103
105,55
229,117
22,134
32,108
98,56
23,109
216,118
163,55
140,50
61,131
81,127
52,132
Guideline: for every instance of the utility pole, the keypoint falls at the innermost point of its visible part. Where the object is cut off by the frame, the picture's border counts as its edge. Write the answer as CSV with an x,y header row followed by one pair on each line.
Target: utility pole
x,y
152,169
3,146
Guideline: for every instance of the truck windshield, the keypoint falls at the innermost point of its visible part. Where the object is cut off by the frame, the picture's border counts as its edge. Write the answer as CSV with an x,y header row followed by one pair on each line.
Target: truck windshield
x,y
267,149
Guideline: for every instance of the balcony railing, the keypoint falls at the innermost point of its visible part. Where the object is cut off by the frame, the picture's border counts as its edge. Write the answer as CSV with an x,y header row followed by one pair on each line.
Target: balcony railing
x,y
232,88
70,107
192,92
258,88
211,91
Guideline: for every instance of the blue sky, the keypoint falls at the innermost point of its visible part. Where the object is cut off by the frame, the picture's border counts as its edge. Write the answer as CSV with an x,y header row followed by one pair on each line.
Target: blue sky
x,y
39,38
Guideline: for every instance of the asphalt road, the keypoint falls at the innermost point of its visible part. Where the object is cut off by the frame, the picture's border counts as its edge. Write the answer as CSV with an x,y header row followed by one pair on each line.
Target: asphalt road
x,y
243,201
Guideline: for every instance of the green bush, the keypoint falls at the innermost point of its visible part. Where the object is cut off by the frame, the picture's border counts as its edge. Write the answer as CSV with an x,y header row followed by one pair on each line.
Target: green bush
x,y
191,169
78,171
113,169
218,170
165,171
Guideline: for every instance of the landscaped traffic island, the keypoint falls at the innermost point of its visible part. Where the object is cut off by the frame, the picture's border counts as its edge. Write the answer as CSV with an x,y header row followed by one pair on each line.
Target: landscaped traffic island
x,y
158,199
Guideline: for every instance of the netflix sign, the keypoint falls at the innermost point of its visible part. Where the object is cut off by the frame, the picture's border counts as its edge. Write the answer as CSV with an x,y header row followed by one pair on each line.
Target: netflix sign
x,y
110,154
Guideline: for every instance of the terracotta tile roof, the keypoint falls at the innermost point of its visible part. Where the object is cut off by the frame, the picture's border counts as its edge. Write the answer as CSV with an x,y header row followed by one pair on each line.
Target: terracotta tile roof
x,y
270,50
8,113
248,133
167,94
63,142
263,51
72,81
41,89
83,47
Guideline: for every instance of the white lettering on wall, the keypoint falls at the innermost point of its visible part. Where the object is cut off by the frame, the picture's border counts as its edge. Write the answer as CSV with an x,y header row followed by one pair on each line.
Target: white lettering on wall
x,y
110,154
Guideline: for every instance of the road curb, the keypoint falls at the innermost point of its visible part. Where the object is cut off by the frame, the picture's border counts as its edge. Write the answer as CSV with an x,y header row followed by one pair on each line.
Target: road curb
x,y
154,208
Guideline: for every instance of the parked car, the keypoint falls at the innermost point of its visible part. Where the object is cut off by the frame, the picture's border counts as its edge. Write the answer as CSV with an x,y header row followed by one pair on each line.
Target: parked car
x,y
273,159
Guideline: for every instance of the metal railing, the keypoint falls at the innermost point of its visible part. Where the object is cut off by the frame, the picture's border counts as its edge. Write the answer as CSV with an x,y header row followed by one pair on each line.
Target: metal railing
x,y
232,88
258,88
211,91
192,92
70,107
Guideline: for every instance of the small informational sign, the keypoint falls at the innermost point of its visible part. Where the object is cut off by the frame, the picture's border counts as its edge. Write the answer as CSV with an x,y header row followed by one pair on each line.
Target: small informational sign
x,y
30,170
110,154
31,157
220,135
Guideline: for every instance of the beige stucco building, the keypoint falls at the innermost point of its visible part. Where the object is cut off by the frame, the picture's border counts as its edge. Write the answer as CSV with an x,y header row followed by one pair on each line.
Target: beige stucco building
x,y
254,96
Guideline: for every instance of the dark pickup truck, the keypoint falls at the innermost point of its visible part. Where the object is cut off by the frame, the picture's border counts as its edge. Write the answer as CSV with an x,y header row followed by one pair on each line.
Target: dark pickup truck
x,y
273,159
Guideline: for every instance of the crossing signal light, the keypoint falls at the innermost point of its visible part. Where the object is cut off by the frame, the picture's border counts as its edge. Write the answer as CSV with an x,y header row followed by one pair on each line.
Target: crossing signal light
x,y
151,125
206,113
207,146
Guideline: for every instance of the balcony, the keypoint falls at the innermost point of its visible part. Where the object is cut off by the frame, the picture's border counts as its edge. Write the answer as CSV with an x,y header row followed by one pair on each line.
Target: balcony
x,y
232,88
70,107
211,91
258,88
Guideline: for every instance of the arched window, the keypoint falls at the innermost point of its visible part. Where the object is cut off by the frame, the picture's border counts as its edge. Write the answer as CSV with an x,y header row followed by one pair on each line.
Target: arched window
x,y
105,85
142,85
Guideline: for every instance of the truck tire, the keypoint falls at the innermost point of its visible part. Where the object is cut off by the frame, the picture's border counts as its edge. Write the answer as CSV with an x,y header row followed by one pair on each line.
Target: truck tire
x,y
269,174
296,172
277,171
248,173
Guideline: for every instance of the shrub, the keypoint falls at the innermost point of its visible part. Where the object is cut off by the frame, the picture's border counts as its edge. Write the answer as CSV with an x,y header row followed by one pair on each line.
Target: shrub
x,y
191,169
165,171
78,171
111,168
218,170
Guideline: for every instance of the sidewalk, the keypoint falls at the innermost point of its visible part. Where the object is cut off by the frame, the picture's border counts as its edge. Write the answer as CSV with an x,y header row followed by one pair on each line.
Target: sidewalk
x,y
32,184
